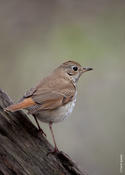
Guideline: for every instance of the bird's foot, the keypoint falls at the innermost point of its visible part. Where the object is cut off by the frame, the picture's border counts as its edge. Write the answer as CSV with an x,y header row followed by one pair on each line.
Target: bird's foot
x,y
55,151
40,131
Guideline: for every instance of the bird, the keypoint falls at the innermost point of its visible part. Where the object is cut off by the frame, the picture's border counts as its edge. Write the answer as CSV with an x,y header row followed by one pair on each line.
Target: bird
x,y
53,98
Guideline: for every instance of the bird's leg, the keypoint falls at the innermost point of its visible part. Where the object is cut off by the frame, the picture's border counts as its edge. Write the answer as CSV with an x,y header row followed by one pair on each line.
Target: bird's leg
x,y
55,146
40,129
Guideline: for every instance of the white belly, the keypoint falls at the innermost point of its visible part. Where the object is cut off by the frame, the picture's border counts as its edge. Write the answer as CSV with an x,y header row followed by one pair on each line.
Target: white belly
x,y
58,114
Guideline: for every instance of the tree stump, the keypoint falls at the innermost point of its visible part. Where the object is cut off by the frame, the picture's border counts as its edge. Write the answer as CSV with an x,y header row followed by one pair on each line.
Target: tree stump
x,y
24,152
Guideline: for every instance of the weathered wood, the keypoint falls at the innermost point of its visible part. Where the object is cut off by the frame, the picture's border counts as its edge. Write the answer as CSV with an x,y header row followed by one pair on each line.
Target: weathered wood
x,y
23,151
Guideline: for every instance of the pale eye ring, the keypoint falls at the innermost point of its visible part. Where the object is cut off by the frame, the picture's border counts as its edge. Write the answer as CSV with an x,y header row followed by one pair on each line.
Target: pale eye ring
x,y
75,68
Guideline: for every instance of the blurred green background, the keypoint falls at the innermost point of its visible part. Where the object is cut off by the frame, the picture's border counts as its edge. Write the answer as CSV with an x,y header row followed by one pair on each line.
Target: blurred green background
x,y
36,36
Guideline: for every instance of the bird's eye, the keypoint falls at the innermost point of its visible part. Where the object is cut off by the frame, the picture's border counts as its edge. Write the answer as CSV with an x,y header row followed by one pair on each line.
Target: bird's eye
x,y
75,68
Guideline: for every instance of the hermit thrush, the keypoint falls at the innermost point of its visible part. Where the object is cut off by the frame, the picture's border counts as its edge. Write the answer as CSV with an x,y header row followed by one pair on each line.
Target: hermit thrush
x,y
54,98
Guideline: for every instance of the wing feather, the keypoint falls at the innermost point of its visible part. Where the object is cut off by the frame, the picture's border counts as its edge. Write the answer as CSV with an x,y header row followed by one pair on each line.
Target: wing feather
x,y
48,97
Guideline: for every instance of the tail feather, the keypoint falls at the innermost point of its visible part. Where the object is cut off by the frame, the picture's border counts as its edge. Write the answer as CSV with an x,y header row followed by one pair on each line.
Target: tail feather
x,y
22,105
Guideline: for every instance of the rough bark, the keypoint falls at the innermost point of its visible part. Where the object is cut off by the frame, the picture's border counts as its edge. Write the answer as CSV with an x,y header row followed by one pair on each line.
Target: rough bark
x,y
24,152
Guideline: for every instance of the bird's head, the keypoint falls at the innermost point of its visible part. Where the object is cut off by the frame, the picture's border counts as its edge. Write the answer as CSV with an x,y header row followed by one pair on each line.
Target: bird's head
x,y
74,70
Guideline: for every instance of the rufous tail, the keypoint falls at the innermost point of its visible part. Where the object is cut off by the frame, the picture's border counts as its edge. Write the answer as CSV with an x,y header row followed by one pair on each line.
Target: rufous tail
x,y
22,105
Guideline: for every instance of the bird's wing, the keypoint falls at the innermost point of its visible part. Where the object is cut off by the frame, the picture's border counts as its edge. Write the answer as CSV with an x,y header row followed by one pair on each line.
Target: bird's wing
x,y
51,93
50,100
29,93
43,100
49,97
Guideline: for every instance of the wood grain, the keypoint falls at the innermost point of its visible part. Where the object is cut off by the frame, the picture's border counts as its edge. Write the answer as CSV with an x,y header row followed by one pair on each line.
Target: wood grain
x,y
24,152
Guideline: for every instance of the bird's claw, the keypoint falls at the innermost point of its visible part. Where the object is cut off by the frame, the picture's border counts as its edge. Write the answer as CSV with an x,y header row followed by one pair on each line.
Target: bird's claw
x,y
55,151
40,131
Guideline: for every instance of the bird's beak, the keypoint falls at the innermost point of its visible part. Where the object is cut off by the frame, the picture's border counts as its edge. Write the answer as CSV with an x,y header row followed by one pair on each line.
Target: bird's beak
x,y
86,69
